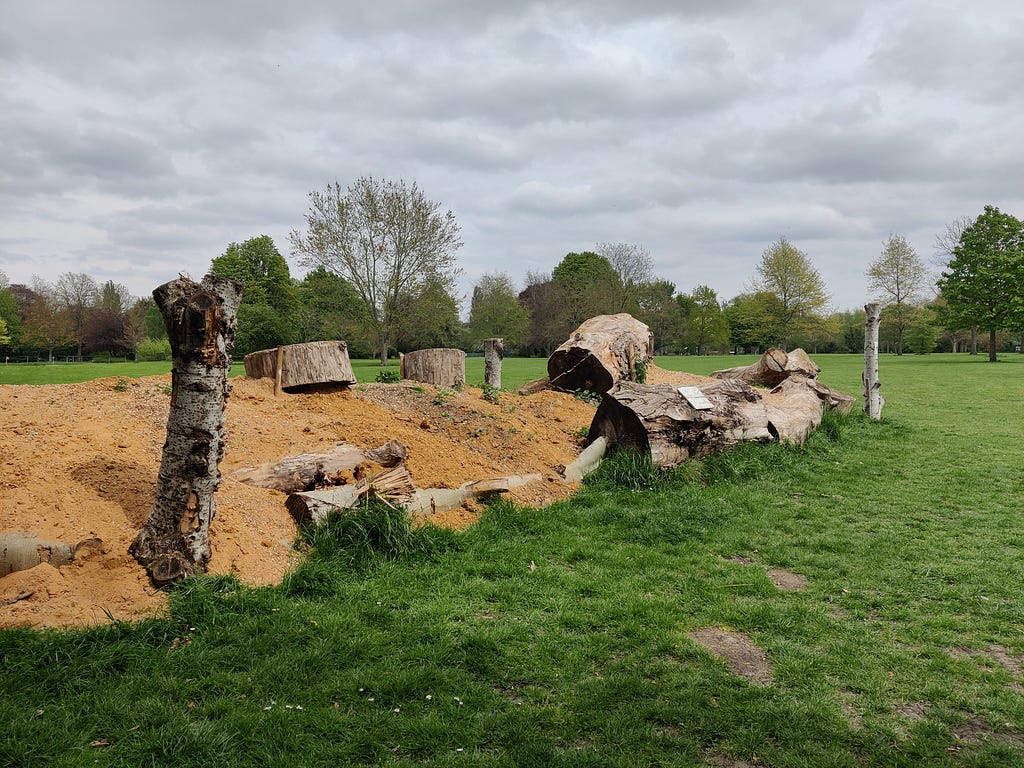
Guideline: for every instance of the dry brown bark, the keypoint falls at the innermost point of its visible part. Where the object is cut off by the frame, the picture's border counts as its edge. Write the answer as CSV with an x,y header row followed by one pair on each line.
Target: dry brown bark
x,y
439,367
773,367
200,320
306,471
316,362
658,419
603,350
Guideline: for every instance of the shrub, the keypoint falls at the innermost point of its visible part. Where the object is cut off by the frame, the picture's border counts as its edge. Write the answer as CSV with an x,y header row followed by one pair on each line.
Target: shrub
x,y
153,349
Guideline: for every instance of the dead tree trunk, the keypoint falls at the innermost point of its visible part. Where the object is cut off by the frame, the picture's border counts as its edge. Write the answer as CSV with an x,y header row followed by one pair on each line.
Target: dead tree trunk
x,y
873,400
438,367
494,351
671,426
200,321
297,365
306,471
774,367
603,350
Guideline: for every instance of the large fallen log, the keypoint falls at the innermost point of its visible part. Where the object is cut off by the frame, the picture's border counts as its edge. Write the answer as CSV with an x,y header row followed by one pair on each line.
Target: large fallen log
x,y
306,471
773,367
603,350
672,427
300,365
21,550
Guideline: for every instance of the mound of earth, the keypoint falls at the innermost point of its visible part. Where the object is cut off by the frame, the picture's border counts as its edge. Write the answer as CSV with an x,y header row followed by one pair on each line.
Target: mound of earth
x,y
80,461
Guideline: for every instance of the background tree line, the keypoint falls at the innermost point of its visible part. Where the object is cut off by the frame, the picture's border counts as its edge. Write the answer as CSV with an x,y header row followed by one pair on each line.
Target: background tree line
x,y
382,273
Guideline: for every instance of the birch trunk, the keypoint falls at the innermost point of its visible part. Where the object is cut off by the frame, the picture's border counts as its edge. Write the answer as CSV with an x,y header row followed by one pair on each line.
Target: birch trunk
x,y
200,321
494,351
873,400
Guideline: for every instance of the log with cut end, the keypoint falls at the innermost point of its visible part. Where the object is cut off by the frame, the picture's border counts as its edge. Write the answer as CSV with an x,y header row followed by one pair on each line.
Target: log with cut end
x,y
316,362
658,419
603,350
438,367
773,367
21,550
306,471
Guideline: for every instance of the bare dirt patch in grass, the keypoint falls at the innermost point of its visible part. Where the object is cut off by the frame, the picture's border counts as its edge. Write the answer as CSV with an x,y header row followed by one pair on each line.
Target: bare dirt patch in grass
x,y
787,581
740,654
80,461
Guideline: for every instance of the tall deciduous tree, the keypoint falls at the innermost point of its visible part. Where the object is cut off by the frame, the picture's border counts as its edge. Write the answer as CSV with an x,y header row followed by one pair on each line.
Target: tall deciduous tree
x,y
330,308
634,267
495,311
662,313
787,273
707,326
77,293
897,279
982,283
47,323
589,285
386,239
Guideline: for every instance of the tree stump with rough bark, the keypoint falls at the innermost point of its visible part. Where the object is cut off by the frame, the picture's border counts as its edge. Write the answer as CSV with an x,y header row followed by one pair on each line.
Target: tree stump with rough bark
x,y
300,365
200,320
774,367
603,350
437,367
494,352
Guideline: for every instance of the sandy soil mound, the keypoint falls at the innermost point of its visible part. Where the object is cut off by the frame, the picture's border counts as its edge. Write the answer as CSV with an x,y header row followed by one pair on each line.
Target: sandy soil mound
x,y
80,461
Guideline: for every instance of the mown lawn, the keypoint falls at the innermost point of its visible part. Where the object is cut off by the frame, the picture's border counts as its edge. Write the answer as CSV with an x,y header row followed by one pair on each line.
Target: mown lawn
x,y
560,636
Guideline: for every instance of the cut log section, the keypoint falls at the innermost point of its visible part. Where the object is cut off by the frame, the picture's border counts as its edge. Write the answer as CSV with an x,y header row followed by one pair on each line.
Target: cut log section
x,y
659,420
306,471
317,362
774,367
603,350
21,550
438,367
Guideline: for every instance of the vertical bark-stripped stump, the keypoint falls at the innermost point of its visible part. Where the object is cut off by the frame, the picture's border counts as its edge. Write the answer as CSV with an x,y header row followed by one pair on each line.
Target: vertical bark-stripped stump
x,y
603,350
438,367
200,320
297,365
494,352
873,400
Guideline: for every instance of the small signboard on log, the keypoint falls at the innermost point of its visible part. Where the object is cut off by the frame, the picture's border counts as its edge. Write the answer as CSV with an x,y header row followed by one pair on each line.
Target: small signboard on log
x,y
696,398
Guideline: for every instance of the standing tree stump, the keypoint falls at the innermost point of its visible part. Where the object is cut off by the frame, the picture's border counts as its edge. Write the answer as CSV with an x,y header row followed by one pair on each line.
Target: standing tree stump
x,y
873,400
200,321
494,351
438,367
603,350
296,365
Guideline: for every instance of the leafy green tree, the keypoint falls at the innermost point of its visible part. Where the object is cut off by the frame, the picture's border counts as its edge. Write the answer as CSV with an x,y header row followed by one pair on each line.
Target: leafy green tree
x,y
707,327
47,323
898,278
922,332
430,319
5,337
330,308
850,337
154,323
9,312
753,321
662,313
113,297
267,285
387,240
589,287
786,273
982,283
495,311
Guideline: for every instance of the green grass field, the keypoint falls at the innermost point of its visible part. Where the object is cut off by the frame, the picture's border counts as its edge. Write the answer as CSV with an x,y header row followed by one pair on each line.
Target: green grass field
x,y
560,636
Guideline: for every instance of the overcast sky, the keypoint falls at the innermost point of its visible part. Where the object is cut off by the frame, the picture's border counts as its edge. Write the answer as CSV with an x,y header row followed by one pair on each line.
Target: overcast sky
x,y
138,139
